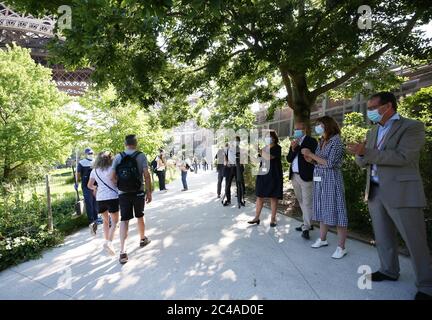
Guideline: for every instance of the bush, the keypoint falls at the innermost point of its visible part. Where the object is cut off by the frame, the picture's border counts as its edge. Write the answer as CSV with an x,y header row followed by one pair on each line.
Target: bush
x,y
354,130
419,107
23,223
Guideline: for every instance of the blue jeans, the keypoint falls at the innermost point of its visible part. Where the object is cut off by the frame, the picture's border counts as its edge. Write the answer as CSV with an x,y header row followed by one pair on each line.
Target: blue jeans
x,y
90,204
183,176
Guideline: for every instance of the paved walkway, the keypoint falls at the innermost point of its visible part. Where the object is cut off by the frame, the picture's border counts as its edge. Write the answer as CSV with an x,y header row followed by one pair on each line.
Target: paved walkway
x,y
201,250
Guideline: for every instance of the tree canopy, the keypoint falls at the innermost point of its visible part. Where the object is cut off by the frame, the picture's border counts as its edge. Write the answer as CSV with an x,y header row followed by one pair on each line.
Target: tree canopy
x,y
163,51
32,131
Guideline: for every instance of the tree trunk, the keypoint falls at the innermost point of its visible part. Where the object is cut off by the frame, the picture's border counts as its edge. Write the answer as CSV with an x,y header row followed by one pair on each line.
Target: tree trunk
x,y
299,98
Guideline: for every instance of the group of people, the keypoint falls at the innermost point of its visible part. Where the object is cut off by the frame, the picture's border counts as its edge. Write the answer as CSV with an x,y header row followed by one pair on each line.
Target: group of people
x,y
394,189
116,184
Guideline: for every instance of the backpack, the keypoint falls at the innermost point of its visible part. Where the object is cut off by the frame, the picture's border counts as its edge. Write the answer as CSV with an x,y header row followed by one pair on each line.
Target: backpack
x,y
128,175
154,164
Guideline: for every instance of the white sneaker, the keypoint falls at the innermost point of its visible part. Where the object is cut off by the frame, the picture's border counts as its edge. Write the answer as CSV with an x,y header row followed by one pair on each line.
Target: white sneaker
x,y
109,248
319,243
339,253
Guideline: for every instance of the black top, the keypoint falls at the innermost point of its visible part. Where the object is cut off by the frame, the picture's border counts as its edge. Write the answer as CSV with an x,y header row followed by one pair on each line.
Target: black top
x,y
305,168
270,185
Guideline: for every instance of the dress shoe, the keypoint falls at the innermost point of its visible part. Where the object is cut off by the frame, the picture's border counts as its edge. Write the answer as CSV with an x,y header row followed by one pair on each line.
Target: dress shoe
x,y
257,221
378,276
301,228
226,203
422,296
305,234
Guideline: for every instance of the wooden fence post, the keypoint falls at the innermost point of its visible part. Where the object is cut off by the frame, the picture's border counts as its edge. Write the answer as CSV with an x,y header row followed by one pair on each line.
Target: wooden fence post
x,y
48,192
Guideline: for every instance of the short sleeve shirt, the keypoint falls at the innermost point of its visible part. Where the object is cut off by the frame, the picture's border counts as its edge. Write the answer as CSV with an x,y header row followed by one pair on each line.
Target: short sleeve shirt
x,y
142,165
106,190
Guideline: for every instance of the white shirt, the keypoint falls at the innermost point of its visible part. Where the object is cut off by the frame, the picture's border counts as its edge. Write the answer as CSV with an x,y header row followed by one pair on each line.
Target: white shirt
x,y
295,165
103,192
160,164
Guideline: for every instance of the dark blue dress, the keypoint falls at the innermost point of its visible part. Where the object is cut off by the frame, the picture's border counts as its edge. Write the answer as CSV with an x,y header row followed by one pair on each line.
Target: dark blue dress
x,y
270,185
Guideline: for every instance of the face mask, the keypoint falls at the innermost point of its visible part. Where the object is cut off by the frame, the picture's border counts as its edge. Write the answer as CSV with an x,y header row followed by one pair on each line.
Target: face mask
x,y
298,134
268,140
375,116
90,156
319,130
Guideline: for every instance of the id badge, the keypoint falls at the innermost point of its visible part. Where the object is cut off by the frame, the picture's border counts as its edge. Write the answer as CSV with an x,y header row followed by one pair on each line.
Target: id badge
x,y
317,179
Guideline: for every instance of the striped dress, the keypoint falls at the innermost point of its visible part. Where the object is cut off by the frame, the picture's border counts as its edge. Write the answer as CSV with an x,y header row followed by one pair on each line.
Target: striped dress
x,y
329,193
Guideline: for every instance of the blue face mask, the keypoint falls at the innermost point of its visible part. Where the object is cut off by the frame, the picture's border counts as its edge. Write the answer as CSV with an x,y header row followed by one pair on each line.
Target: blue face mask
x,y
374,115
298,134
319,130
268,140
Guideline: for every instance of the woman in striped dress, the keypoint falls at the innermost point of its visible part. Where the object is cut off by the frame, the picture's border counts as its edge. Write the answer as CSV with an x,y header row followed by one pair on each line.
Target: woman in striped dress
x,y
329,194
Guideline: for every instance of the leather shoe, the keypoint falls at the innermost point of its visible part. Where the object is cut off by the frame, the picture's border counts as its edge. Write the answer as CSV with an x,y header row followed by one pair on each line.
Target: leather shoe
x,y
378,276
422,296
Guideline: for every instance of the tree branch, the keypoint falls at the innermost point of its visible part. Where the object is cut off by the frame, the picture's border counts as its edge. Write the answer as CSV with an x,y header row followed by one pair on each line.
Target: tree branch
x,y
368,60
227,58
288,86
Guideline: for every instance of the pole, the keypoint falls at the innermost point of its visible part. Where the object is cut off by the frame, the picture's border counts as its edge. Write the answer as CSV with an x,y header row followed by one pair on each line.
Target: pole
x,y
50,217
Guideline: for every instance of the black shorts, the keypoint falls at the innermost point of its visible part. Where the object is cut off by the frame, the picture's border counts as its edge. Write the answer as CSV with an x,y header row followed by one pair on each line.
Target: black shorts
x,y
130,203
111,206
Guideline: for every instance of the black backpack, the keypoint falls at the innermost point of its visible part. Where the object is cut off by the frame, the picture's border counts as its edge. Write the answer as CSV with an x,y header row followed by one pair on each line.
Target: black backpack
x,y
128,175
154,165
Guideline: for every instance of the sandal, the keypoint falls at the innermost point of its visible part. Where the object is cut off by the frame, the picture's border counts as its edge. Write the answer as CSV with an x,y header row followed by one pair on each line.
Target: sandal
x,y
123,258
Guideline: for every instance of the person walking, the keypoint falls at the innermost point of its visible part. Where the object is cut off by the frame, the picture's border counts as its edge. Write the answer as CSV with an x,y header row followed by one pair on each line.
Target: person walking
x,y
269,183
83,173
161,165
130,168
329,206
106,196
184,167
301,173
394,190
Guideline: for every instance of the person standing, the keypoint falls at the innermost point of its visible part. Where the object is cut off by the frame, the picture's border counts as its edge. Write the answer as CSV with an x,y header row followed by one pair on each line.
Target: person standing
x,y
394,190
329,206
232,160
220,168
106,196
301,174
130,168
83,173
270,183
161,169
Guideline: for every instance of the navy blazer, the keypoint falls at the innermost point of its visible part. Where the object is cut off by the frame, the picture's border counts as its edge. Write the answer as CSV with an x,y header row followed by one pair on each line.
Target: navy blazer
x,y
305,168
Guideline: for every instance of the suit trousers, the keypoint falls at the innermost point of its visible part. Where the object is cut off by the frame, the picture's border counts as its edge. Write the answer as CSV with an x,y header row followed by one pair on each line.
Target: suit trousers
x,y
304,191
386,221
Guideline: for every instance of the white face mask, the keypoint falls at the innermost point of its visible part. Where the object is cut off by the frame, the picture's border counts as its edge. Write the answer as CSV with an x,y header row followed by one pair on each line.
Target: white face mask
x,y
90,156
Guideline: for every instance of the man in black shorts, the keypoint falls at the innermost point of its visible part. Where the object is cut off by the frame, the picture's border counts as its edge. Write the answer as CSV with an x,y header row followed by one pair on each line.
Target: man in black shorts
x,y
130,168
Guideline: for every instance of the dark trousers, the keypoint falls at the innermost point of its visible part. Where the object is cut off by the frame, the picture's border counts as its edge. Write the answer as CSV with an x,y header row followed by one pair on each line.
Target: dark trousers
x,y
161,178
230,173
183,177
220,179
90,204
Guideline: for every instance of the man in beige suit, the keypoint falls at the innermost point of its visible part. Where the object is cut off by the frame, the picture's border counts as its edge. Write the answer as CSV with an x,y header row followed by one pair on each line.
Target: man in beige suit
x,y
394,190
